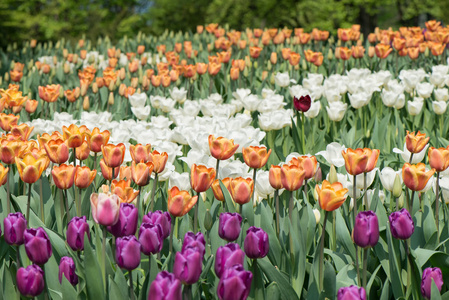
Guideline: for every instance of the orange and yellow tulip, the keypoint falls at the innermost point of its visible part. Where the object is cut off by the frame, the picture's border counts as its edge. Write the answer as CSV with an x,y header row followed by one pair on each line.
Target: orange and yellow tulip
x,y
23,131
307,163
331,196
84,177
140,152
49,93
98,139
63,176
256,157
30,169
140,172
3,174
415,177
31,106
439,158
292,177
7,121
222,148
355,160
57,151
74,135
180,202
106,171
123,190
274,176
382,50
159,160
242,189
415,143
113,155
201,177
82,152
216,188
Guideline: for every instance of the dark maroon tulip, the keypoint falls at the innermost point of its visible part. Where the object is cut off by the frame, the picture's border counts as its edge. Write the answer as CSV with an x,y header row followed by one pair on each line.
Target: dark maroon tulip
x,y
256,243
235,284
229,226
352,292
303,103
150,238
188,265
401,224
127,221
127,252
161,218
14,225
67,268
165,287
76,229
366,229
196,241
426,282
227,256
30,281
37,245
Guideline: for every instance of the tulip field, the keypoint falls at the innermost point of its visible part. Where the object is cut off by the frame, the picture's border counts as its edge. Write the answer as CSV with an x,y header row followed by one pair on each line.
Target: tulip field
x,y
222,164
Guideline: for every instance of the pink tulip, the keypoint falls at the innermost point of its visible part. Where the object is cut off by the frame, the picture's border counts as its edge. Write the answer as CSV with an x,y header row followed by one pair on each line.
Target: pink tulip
x,y
105,208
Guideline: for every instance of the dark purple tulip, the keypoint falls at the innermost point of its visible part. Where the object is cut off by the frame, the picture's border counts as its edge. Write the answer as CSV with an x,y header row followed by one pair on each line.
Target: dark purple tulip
x,y
188,265
37,245
352,292
127,221
235,284
150,238
76,229
366,229
14,225
165,287
30,281
302,103
227,256
256,243
67,268
229,226
127,253
161,218
196,241
426,282
401,224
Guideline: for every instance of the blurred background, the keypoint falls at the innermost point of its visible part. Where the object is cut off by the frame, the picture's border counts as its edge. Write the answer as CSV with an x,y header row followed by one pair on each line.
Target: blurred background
x,y
53,19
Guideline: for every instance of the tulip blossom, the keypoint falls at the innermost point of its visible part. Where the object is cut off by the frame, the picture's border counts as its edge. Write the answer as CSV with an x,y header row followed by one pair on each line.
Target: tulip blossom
x,y
76,229
352,292
302,103
222,148
275,177
366,229
256,243
140,152
159,161
63,176
30,281
416,142
439,158
194,241
84,177
37,245
307,163
140,172
67,268
150,238
228,256
415,177
235,284
105,207
123,190
74,135
355,160
242,190
401,224
165,287
159,218
57,151
98,139
292,177
216,188
107,172
127,252
30,169
429,275
180,202
14,226
188,265
331,196
229,226
201,177
127,221
256,157
113,155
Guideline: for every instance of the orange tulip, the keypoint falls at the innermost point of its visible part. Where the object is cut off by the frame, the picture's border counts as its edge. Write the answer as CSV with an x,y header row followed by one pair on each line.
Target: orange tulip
x,y
216,189
74,135
9,150
22,131
242,190
294,58
113,154
331,196
63,176
123,190
222,148
355,160
139,152
413,52
107,171
30,169
15,75
256,157
82,152
189,71
373,156
437,49
254,52
140,172
398,44
416,143
201,177
292,177
125,172
3,174
344,53
214,68
57,151
6,121
439,158
84,177
98,139
180,202
159,160
382,50
358,51
415,177
201,68
49,93
274,176
307,163
234,73
31,106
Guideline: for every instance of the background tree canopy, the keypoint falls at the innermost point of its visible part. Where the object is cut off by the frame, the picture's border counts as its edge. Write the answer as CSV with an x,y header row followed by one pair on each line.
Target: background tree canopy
x,y
53,19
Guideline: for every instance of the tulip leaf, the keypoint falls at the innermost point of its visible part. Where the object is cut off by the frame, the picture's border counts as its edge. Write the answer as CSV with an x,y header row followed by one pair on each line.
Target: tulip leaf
x,y
94,278
329,281
115,293
228,199
395,276
51,271
435,293
273,291
274,275
68,291
343,235
57,243
275,250
120,281
429,226
9,290
346,276
295,135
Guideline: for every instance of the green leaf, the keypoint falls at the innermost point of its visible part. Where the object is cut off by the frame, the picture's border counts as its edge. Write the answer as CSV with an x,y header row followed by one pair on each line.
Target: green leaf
x,y
395,275
435,293
115,293
274,275
228,199
94,278
9,289
68,291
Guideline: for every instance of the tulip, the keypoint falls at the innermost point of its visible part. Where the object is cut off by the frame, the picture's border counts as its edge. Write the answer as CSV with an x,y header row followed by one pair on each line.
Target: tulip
x,y
275,177
159,160
255,157
159,218
74,135
124,190
242,189
30,169
76,229
98,139
127,221
127,253
188,265
180,202
355,160
234,284
292,177
63,176
14,225
439,158
201,177
308,164
113,155
7,121
105,208
37,245
256,243
331,196
401,224
84,177
416,142
57,151
10,150
23,131
415,177
216,188
366,229
222,148
150,238
194,241
229,226
82,152
228,256
139,152
107,172
30,281
165,287
302,103
351,293
429,275
67,268
140,172
4,171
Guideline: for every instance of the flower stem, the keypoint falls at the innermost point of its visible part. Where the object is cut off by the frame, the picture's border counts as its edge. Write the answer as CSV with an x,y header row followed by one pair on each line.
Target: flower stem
x,y
254,185
41,197
365,195
18,256
303,122
131,285
323,235
187,292
217,168
437,207
276,196
153,191
195,215
365,264
103,249
8,193
354,214
28,203
66,205
171,233
290,206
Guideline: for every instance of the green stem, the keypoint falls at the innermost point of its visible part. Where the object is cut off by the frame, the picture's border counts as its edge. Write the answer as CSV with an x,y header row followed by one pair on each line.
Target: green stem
x,y
437,207
18,256
217,168
254,185
28,203
131,285
67,205
41,196
171,233
195,215
153,191
354,214
365,264
8,193
74,156
103,249
323,234
290,206
77,202
139,209
334,231
303,123
187,292
411,202
365,195
276,196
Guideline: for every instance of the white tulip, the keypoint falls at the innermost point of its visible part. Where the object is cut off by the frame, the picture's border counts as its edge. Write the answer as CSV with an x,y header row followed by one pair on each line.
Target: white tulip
x,y
282,79
333,154
414,107
387,177
424,89
179,95
400,102
336,110
439,107
240,94
263,186
360,179
359,100
441,94
181,180
141,113
417,157
138,100
389,98
298,91
275,120
314,110
251,102
332,95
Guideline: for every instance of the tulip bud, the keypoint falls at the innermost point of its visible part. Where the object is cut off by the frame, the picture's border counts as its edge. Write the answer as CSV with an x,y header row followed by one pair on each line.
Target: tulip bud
x,y
37,245
397,186
111,99
127,253
235,283
366,229
14,225
333,175
317,214
330,55
351,292
165,287
229,226
401,224
256,243
105,208
161,218
208,220
127,221
76,229
228,256
429,275
150,238
188,265
30,281
67,268
194,241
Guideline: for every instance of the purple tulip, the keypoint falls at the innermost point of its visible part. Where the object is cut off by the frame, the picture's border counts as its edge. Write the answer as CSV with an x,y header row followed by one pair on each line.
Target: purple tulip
x,y
352,292
67,268
161,218
30,281
195,241
127,221
302,103
401,224
256,243
14,225
426,282
76,229
366,229
37,245
165,287
235,284
127,253
188,265
227,256
150,238
229,226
